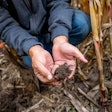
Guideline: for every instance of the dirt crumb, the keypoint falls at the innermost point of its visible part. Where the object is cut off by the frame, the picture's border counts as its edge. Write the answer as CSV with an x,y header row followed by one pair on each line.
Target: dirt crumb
x,y
62,72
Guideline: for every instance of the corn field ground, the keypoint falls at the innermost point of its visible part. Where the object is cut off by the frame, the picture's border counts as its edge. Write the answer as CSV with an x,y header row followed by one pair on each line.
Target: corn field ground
x,y
89,91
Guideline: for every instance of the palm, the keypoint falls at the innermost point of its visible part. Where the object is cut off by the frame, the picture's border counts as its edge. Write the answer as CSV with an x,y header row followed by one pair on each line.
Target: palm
x,y
63,54
66,53
42,63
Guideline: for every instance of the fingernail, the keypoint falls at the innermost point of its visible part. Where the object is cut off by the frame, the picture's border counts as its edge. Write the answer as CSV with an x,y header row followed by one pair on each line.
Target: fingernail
x,y
49,77
86,60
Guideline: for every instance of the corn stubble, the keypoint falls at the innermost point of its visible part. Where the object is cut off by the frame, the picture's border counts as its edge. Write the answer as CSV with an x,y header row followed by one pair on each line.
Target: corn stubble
x,y
100,13
97,8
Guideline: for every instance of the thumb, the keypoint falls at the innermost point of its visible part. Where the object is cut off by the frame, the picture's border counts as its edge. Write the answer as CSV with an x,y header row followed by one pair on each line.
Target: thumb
x,y
77,54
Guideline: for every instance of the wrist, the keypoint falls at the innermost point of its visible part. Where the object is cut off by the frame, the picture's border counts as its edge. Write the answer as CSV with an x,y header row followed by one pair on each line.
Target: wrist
x,y
35,49
60,40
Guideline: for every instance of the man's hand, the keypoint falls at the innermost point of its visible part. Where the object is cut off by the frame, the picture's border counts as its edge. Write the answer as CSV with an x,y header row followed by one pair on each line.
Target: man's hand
x,y
63,52
42,63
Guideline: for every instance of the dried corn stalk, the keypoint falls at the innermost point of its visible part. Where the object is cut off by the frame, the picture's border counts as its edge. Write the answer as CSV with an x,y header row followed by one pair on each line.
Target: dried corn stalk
x,y
96,15
85,4
110,21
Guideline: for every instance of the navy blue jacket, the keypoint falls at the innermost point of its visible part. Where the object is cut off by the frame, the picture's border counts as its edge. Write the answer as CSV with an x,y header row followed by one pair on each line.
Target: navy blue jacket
x,y
22,20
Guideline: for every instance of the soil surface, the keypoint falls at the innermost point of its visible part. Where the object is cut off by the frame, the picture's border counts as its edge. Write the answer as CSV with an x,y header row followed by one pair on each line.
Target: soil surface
x,y
20,90
62,72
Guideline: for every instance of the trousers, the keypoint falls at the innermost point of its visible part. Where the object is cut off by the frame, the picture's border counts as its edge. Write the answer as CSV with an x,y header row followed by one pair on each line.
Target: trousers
x,y
81,27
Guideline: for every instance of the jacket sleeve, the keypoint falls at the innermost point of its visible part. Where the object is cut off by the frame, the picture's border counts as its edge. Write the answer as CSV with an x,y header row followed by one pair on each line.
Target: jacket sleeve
x,y
14,35
60,20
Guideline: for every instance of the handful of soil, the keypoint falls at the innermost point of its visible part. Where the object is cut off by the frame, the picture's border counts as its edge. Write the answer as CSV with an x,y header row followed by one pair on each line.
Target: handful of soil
x,y
62,72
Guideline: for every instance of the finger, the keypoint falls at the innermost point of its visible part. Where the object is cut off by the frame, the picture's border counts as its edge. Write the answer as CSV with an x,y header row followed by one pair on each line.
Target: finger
x,y
72,73
79,55
56,83
44,71
50,67
46,81
72,68
42,79
36,71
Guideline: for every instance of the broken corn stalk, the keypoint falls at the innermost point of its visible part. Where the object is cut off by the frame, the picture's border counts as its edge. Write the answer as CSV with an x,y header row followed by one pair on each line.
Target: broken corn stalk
x,y
108,9
110,21
111,40
97,44
103,4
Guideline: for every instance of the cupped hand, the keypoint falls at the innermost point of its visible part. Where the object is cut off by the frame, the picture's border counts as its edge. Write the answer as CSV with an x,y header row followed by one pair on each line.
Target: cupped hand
x,y
64,52
42,64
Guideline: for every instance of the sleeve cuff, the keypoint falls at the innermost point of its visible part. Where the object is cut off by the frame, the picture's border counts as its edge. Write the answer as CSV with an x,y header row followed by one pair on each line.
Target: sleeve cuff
x,y
58,31
29,43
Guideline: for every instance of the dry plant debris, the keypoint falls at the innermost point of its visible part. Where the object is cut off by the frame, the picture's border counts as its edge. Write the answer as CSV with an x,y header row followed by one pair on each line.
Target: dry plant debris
x,y
19,91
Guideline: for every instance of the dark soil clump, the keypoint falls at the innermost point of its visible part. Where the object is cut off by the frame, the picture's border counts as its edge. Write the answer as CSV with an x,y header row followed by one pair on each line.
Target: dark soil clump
x,y
62,72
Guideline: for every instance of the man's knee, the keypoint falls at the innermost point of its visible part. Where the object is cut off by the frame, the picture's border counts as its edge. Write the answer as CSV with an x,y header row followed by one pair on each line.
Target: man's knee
x,y
84,28
81,26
